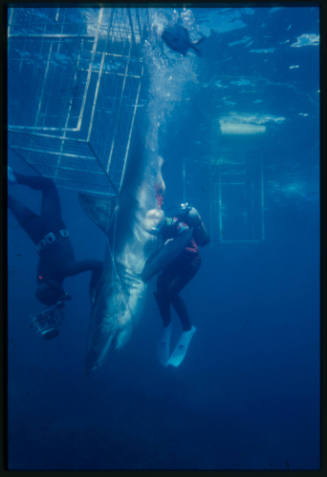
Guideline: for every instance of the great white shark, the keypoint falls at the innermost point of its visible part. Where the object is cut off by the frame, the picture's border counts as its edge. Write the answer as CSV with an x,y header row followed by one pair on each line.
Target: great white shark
x,y
127,221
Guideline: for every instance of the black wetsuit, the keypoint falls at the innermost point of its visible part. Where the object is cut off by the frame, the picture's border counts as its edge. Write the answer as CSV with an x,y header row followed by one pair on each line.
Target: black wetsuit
x,y
176,275
57,258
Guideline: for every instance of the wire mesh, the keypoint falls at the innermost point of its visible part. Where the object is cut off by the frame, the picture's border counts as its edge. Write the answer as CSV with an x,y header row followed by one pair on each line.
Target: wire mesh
x,y
82,71
237,208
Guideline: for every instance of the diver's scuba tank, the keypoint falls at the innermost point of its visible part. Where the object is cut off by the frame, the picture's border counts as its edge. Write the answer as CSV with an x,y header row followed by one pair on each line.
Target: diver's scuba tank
x,y
191,217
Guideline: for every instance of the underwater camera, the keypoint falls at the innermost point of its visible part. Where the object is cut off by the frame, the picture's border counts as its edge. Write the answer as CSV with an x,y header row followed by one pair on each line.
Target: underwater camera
x,y
47,322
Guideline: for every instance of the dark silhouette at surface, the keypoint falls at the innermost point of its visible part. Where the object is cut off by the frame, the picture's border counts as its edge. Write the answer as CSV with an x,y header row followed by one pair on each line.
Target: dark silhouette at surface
x,y
178,39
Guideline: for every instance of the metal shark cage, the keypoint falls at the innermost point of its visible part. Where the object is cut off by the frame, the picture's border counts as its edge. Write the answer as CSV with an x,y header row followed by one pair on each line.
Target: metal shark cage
x,y
74,87
234,203
237,208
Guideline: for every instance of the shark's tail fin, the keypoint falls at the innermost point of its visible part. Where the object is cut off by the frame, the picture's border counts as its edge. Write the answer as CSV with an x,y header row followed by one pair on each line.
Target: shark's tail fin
x,y
99,209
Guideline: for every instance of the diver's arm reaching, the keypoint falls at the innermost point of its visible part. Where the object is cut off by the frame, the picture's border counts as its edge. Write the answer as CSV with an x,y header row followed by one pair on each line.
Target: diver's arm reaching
x,y
175,235
84,266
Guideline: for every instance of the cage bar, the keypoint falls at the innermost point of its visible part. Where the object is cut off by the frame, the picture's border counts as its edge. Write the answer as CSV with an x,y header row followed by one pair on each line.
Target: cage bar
x,y
83,69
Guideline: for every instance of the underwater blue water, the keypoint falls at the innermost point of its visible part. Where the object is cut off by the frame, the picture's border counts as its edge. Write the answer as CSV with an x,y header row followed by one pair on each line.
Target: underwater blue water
x,y
247,395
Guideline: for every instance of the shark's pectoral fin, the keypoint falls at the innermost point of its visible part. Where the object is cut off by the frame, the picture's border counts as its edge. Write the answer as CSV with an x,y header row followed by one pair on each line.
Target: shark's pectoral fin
x,y
98,209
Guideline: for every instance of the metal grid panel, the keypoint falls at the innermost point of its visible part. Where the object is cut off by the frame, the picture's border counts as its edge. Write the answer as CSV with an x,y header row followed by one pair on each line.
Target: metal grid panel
x,y
237,211
234,201
82,73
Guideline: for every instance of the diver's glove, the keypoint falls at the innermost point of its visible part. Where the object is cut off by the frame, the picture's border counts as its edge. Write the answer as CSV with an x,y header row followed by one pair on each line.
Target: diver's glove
x,y
189,215
65,297
163,224
153,221
154,231
192,218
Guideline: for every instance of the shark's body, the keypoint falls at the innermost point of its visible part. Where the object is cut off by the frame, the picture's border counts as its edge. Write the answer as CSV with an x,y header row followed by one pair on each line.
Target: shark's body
x,y
125,220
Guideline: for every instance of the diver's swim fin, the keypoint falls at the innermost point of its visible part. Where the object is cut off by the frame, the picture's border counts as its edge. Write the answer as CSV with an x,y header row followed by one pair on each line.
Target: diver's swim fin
x,y
181,348
164,345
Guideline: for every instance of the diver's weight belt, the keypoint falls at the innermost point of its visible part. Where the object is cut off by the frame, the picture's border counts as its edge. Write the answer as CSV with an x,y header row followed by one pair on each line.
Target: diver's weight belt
x,y
50,238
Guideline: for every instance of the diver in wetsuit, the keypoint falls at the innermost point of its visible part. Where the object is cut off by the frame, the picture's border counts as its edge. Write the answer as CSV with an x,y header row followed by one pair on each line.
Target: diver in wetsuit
x,y
51,238
179,260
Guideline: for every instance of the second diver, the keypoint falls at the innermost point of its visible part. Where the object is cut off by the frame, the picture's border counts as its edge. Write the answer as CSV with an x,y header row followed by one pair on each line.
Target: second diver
x,y
177,262
48,232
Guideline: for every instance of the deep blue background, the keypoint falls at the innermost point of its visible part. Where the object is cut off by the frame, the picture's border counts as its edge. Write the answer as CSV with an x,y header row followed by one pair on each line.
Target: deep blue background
x,y
247,395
